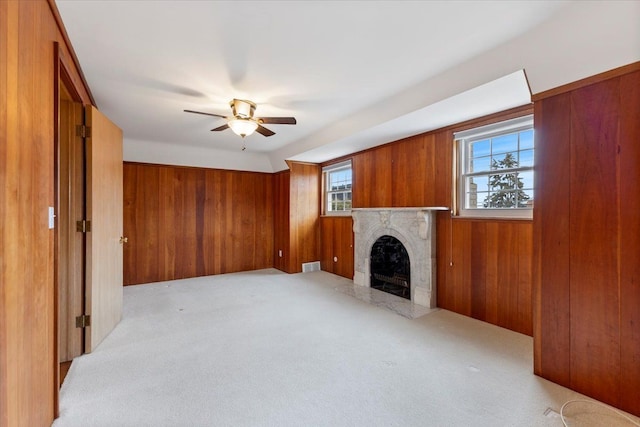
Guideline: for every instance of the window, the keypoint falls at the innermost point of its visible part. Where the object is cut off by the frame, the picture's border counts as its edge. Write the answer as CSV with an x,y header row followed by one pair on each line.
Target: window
x,y
337,188
495,166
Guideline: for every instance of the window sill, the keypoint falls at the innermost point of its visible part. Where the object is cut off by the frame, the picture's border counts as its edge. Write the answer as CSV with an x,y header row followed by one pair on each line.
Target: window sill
x,y
519,215
339,215
490,218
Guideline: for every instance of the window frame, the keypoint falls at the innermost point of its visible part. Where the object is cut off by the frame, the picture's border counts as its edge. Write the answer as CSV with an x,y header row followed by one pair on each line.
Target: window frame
x,y
326,192
462,141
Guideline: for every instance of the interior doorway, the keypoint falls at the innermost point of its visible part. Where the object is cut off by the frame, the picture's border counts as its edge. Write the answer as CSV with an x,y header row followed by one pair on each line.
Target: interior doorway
x,y
88,224
70,208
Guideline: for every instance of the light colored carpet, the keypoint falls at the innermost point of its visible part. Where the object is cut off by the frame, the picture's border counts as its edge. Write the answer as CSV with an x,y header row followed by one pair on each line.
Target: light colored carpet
x,y
270,349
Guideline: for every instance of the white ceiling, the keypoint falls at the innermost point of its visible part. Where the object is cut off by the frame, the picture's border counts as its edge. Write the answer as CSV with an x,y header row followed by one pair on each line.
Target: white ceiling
x,y
355,74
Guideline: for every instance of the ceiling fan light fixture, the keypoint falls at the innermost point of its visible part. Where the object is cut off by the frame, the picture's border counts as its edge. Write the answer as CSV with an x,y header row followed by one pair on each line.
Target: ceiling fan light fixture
x,y
242,127
243,122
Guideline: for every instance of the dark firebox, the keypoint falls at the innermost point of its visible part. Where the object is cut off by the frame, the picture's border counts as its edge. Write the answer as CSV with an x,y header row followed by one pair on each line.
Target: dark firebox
x,y
390,267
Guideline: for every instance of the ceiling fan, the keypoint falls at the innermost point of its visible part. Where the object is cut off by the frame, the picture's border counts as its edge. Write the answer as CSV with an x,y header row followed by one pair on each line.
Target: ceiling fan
x,y
243,123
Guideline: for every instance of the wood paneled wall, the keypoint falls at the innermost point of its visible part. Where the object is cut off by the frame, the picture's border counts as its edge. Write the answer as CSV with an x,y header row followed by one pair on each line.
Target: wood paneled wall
x,y
411,172
484,266
187,222
281,198
587,247
337,245
304,213
297,207
28,359
484,270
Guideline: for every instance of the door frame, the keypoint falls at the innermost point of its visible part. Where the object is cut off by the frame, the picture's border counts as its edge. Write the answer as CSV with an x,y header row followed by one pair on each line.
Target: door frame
x,y
61,76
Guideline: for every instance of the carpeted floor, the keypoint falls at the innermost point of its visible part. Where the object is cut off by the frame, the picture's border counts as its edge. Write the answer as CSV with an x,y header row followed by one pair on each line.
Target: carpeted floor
x,y
269,349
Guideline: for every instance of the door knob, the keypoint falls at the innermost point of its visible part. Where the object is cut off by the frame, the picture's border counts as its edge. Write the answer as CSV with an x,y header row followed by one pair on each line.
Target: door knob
x,y
123,240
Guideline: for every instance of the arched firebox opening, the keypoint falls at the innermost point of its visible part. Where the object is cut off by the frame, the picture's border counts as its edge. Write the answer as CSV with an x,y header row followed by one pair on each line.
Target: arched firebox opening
x,y
390,267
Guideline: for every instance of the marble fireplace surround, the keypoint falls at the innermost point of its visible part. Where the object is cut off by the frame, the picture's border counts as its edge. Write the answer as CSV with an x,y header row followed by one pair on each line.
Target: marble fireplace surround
x,y
415,229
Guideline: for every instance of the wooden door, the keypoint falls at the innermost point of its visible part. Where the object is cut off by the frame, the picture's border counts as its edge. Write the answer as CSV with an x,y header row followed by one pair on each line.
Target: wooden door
x,y
70,208
104,200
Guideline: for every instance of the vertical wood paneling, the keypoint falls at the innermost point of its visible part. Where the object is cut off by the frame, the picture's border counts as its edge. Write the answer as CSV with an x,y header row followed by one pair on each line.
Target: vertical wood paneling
x,y
213,226
552,217
201,205
629,238
410,167
478,256
587,274
427,180
13,386
264,248
461,267
304,205
190,222
281,220
372,176
34,173
229,214
166,215
344,247
411,172
8,124
327,239
524,311
337,241
444,256
28,353
238,208
595,328
129,217
493,272
507,277
147,232
442,143
486,280
184,219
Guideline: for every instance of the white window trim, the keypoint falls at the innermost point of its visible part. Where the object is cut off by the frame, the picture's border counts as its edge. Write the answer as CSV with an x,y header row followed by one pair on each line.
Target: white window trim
x,y
325,176
461,138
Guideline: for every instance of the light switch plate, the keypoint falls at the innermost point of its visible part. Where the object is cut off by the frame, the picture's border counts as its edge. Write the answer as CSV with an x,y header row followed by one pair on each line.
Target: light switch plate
x,y
52,218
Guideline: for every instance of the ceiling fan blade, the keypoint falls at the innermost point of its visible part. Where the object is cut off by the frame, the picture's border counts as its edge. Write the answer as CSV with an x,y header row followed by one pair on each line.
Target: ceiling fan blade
x,y
206,114
223,127
264,131
278,120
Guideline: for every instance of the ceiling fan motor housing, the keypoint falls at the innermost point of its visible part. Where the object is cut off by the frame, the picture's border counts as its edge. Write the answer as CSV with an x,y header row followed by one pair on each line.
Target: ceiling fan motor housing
x,y
242,108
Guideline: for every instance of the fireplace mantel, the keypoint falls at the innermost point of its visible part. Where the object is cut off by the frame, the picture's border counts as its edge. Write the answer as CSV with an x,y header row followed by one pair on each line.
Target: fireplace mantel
x,y
415,229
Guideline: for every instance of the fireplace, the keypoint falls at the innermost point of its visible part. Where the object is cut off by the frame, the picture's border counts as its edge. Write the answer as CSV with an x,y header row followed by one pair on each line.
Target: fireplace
x,y
411,228
390,267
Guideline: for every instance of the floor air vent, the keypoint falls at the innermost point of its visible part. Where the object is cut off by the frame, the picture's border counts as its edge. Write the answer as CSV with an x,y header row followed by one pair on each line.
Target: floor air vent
x,y
308,267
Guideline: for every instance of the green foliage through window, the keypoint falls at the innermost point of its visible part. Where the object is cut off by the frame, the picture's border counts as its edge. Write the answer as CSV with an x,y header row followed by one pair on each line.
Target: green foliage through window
x,y
497,166
506,190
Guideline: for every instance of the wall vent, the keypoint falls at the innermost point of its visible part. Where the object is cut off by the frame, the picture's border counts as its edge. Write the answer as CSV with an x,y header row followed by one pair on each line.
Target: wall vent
x,y
308,267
